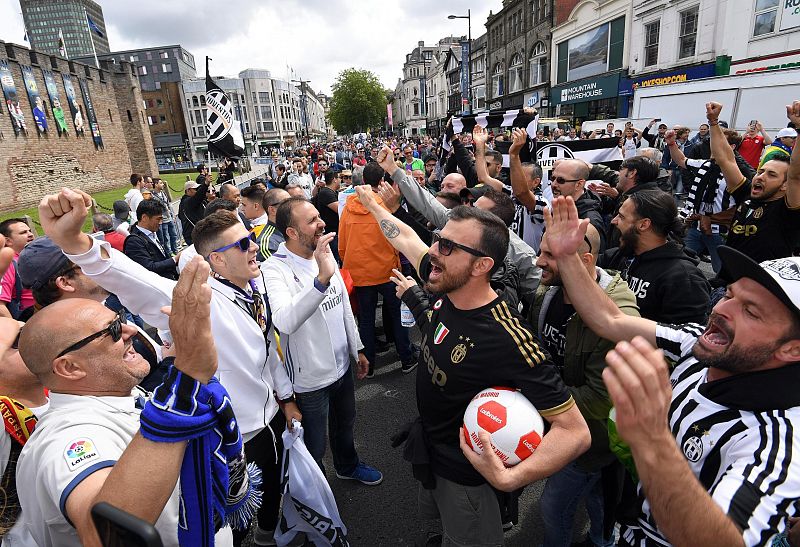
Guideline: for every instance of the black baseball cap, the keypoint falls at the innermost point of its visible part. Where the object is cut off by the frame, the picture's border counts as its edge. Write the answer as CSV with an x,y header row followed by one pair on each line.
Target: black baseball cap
x,y
475,192
39,261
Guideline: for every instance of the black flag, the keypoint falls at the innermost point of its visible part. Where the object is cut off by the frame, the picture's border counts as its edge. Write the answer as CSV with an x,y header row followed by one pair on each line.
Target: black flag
x,y
224,132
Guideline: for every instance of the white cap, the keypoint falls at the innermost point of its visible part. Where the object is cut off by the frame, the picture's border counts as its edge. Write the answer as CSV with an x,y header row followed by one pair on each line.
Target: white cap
x,y
786,132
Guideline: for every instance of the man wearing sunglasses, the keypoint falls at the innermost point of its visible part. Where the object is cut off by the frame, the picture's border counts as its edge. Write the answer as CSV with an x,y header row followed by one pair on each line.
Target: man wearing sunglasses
x,y
568,178
241,322
472,340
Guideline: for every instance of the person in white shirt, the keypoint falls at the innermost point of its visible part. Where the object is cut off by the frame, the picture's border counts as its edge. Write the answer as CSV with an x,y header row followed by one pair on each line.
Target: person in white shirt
x,y
86,448
309,299
133,197
249,366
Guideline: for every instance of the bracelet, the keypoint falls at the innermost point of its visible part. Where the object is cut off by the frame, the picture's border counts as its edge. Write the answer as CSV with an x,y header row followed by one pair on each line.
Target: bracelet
x,y
290,399
713,122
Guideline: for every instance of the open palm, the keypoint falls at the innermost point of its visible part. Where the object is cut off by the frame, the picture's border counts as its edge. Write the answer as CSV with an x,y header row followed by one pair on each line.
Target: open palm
x,y
565,231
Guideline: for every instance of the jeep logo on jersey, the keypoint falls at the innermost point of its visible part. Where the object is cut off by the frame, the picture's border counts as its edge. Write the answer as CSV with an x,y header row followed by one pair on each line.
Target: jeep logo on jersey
x,y
693,449
220,115
785,268
548,154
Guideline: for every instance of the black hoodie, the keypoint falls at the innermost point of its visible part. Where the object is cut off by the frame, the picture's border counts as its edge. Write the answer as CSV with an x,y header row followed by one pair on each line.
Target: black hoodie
x,y
589,206
668,285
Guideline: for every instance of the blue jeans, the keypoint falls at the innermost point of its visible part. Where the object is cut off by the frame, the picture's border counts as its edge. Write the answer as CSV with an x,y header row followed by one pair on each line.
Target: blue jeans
x,y
332,408
168,237
367,303
698,242
559,502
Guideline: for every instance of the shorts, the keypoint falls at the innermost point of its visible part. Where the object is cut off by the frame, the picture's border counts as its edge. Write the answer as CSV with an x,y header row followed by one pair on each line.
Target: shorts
x,y
470,515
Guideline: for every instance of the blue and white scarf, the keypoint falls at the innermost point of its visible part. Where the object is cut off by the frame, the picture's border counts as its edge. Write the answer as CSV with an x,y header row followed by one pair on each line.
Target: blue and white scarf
x,y
217,483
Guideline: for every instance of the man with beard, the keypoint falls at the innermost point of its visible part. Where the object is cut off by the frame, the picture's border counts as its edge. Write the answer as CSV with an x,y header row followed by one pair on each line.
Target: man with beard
x,y
579,354
668,285
311,311
766,224
713,440
471,340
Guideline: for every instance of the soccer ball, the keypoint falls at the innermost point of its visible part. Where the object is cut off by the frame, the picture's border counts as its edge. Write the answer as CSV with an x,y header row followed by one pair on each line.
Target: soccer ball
x,y
515,427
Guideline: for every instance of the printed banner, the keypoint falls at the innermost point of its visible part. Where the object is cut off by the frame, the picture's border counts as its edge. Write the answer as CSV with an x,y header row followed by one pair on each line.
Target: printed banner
x,y
465,50
55,102
75,112
90,113
224,134
12,99
33,97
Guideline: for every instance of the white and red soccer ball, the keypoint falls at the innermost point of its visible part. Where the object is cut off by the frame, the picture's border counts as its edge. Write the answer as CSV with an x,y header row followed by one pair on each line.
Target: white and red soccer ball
x,y
515,427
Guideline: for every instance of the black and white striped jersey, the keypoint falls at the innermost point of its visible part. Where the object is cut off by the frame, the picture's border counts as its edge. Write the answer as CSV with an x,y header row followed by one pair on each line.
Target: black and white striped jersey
x,y
737,435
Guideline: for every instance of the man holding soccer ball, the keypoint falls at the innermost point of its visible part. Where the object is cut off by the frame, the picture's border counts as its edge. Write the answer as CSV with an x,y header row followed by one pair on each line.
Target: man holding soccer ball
x,y
472,340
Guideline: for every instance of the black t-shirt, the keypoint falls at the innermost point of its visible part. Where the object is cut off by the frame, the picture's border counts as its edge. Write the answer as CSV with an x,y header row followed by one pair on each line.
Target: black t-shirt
x,y
763,230
324,197
554,329
464,352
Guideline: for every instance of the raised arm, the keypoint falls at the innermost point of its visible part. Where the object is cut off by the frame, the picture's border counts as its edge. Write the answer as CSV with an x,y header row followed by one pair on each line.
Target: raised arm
x,y
519,184
767,137
479,138
793,175
397,233
565,235
721,151
675,153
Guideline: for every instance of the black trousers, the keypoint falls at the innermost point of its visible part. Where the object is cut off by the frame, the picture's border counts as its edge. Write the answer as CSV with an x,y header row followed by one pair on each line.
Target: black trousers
x,y
266,450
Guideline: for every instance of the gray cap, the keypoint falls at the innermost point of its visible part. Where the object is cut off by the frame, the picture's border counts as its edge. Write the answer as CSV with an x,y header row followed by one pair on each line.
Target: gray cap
x,y
39,261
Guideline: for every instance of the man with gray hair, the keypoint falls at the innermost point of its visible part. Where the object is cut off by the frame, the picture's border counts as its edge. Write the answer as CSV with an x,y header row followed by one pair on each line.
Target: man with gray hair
x,y
663,180
103,228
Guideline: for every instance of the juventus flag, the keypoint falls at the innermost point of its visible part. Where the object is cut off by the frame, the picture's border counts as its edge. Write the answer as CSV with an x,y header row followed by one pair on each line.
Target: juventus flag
x,y
224,131
528,119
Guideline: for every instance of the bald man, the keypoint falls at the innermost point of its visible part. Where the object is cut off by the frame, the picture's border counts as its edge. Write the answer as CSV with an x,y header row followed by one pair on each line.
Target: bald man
x,y
568,178
453,182
579,355
87,448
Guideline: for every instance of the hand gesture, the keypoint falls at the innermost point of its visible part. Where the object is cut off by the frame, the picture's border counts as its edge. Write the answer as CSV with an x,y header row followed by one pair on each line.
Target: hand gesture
x,y
386,160
670,137
324,257
62,216
518,139
793,113
402,282
638,383
652,122
190,322
565,231
713,111
390,196
366,196
479,136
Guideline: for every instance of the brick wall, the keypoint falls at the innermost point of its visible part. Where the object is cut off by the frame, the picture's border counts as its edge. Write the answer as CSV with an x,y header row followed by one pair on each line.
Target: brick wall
x,y
32,165
562,10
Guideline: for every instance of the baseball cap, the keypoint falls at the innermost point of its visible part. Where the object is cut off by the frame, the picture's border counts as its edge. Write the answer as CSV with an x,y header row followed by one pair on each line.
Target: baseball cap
x,y
346,172
476,191
780,276
39,261
787,132
121,209
190,184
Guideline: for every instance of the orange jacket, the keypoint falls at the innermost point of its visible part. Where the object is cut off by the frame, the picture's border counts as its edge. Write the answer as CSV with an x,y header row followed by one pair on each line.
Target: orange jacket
x,y
364,250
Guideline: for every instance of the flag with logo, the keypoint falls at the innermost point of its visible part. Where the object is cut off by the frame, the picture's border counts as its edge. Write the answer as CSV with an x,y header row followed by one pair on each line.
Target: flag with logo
x,y
62,46
224,132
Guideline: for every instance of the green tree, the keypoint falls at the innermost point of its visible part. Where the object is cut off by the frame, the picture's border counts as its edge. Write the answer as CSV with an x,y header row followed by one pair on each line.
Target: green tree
x,y
358,102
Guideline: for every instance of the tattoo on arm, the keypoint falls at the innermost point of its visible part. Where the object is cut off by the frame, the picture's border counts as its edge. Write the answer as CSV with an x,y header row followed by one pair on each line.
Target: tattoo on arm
x,y
389,229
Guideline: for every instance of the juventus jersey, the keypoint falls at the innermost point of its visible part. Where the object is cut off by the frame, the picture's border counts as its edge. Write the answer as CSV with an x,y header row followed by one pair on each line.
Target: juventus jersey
x,y
738,438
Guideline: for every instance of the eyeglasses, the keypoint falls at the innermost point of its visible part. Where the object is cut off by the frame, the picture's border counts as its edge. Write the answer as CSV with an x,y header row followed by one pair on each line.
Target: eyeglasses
x,y
446,246
243,244
346,177
562,180
589,243
114,330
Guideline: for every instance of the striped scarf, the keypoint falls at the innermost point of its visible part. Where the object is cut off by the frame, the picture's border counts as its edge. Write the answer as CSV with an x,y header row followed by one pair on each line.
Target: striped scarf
x,y
217,484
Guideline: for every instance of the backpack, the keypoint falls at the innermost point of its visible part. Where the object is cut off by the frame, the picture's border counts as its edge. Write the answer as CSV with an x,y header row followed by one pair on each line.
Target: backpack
x,y
15,306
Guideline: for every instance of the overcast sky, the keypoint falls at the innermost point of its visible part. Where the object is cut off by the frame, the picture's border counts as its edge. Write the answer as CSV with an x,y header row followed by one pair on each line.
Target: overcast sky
x,y
316,38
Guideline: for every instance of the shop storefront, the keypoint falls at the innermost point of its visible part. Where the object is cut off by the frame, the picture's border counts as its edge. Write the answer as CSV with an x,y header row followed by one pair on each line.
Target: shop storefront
x,y
594,98
628,86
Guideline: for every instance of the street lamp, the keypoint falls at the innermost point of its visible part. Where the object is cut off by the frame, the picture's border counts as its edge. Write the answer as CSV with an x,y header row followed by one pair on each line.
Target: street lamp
x,y
469,52
304,105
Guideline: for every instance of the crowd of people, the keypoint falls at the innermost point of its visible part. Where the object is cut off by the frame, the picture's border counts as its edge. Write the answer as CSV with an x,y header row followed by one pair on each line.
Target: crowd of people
x,y
154,363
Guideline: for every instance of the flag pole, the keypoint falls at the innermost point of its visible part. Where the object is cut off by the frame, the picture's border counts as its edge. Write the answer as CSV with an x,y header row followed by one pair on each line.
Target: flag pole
x,y
208,145
91,38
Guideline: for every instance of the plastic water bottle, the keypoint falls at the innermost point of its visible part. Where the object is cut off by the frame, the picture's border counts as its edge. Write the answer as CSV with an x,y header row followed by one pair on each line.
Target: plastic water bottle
x,y
406,317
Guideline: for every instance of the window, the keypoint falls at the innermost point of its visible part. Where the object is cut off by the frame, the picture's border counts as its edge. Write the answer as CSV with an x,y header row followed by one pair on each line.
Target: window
x,y
766,12
162,119
497,80
515,73
141,70
195,102
538,64
688,33
266,113
651,32
416,109
263,97
479,97
428,55
152,120
166,68
134,58
163,55
148,55
159,102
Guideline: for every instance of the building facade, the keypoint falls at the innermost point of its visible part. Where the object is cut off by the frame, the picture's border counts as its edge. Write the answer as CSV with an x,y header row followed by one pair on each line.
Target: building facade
x,y
160,71
32,164
45,18
477,68
517,55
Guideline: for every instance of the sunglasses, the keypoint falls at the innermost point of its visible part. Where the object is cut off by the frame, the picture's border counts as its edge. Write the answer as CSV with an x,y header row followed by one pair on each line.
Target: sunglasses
x,y
346,177
446,246
114,330
243,244
562,180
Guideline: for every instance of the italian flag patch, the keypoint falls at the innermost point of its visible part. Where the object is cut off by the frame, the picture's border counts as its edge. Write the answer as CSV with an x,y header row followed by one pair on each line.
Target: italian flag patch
x,y
439,335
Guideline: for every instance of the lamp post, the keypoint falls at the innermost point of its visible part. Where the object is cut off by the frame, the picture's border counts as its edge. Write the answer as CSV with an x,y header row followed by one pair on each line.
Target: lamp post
x,y
304,105
469,51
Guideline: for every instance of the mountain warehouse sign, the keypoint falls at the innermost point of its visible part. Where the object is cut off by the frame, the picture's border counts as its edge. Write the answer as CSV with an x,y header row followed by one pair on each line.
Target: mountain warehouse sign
x,y
585,90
